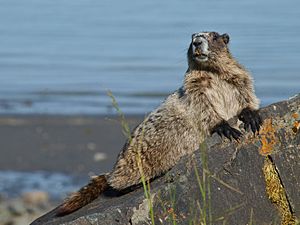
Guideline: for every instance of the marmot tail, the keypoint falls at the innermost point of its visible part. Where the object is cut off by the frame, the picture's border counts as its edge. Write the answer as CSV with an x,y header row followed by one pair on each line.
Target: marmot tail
x,y
84,196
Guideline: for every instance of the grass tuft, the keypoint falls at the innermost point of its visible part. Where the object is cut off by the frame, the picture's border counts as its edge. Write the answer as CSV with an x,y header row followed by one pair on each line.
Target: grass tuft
x,y
127,133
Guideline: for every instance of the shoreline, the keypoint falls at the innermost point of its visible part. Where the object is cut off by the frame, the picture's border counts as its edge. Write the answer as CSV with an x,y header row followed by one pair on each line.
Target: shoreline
x,y
75,144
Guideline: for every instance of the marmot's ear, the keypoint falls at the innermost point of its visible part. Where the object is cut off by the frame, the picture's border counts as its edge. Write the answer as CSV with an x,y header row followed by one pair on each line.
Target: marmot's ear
x,y
225,38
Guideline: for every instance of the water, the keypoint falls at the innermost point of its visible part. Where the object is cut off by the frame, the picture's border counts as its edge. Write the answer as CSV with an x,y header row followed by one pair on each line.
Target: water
x,y
61,56
57,185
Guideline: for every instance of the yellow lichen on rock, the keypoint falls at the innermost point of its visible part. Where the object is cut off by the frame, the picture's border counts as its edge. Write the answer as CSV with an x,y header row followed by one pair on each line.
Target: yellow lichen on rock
x,y
267,137
295,115
296,126
276,192
295,122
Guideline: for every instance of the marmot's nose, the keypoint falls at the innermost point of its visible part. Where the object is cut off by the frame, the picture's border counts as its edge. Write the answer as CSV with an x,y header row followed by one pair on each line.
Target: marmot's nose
x,y
197,43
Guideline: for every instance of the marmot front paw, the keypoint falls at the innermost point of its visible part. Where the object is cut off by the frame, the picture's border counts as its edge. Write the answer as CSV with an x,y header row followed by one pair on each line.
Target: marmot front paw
x,y
224,129
251,118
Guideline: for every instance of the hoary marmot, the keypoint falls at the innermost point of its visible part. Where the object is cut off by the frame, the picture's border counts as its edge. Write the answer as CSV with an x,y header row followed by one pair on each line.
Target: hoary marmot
x,y
216,88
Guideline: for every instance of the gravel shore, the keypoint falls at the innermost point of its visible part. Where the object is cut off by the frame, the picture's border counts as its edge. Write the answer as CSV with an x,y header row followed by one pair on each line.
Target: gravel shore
x,y
71,145
24,209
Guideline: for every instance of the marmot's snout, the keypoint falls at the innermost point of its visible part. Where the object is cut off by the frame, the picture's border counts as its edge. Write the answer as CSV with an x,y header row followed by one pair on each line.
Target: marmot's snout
x,y
205,46
200,47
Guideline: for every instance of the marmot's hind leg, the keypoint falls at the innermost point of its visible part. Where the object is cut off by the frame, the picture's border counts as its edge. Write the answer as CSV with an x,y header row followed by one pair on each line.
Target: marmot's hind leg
x,y
124,177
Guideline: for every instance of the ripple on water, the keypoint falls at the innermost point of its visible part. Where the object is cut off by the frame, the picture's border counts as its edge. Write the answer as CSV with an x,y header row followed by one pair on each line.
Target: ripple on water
x,y
58,185
60,57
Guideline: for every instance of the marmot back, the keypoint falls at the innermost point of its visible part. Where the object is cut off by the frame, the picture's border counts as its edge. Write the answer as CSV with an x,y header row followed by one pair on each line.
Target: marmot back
x,y
216,87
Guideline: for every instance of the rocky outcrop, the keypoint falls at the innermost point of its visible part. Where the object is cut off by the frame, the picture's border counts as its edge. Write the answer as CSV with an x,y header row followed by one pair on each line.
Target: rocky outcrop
x,y
253,181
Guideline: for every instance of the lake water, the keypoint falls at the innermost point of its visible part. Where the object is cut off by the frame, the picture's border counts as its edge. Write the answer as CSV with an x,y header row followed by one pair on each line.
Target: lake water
x,y
57,185
61,56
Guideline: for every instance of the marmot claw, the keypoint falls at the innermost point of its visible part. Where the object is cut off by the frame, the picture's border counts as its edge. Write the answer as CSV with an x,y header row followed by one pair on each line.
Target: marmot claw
x,y
224,129
251,119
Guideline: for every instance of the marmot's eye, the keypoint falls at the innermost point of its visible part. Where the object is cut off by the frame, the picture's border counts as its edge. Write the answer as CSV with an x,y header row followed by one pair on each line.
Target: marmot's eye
x,y
215,36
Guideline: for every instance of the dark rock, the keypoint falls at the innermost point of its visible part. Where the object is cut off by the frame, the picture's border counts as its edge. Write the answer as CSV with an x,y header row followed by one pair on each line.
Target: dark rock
x,y
223,182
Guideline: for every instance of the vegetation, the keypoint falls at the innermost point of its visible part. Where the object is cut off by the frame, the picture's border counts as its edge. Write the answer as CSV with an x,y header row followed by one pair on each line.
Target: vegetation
x,y
126,131
201,212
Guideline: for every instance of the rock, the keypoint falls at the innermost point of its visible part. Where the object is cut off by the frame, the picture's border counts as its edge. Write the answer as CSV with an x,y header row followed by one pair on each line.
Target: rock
x,y
254,181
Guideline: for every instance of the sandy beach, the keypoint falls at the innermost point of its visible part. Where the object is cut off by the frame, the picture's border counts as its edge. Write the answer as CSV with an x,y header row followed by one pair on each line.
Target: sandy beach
x,y
69,144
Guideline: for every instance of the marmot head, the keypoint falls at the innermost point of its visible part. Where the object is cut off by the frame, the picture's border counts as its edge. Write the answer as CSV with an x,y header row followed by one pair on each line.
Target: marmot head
x,y
207,50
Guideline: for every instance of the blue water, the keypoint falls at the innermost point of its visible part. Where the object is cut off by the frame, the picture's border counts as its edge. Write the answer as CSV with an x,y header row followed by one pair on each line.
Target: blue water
x,y
57,185
61,56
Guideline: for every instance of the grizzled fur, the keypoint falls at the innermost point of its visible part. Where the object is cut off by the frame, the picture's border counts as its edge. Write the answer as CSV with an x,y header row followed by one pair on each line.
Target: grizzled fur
x,y
214,90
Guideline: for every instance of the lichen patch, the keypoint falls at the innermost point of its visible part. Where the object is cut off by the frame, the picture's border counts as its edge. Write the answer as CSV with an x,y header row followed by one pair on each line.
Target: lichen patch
x,y
267,137
276,192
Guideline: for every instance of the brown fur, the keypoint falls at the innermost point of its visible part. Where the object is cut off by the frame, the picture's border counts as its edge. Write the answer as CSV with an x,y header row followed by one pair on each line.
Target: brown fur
x,y
213,91
84,196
